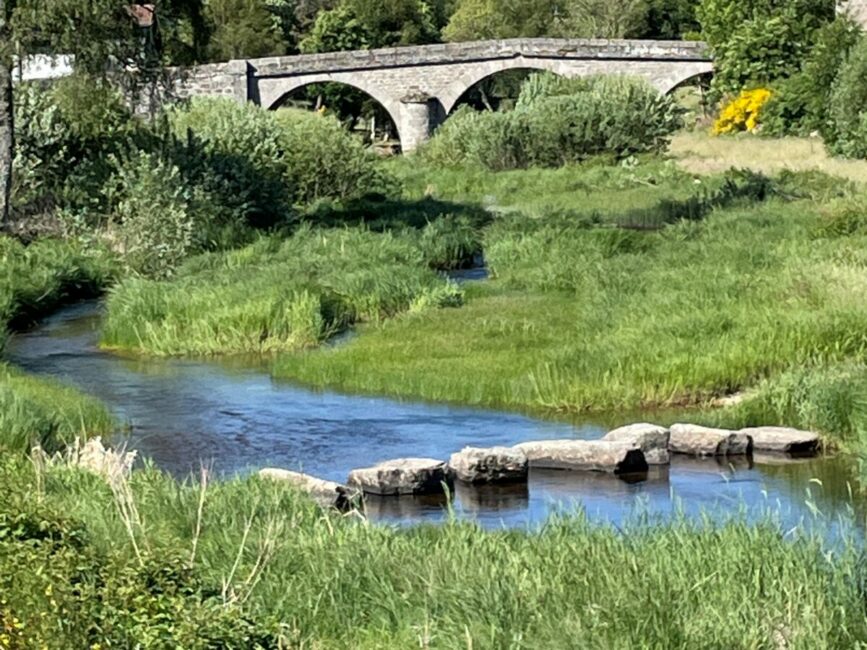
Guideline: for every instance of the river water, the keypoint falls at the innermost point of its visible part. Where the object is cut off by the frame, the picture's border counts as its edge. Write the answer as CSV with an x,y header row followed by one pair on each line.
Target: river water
x,y
234,417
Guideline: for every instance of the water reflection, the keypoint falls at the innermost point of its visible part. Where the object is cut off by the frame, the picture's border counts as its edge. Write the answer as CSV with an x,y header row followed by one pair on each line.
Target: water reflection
x,y
232,415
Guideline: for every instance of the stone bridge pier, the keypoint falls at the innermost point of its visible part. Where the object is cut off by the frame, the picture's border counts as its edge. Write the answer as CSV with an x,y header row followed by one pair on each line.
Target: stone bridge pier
x,y
419,86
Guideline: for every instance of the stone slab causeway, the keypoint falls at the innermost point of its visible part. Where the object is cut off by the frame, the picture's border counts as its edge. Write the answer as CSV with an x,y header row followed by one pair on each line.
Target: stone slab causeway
x,y
652,439
494,465
324,493
783,440
696,440
585,455
401,477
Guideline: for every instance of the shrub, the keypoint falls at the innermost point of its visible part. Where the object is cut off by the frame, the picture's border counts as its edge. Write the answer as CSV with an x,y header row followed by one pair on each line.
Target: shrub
x,y
847,134
66,134
557,122
799,104
322,159
232,151
743,112
260,163
158,220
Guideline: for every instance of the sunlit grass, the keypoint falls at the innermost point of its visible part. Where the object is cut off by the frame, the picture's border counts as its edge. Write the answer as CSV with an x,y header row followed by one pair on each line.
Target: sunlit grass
x,y
333,582
698,152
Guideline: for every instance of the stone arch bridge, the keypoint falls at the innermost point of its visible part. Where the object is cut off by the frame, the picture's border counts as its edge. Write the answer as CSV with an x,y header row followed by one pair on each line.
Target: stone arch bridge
x,y
419,85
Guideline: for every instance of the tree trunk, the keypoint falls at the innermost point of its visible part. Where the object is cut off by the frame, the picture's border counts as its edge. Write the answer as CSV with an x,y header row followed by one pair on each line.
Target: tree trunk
x,y
6,114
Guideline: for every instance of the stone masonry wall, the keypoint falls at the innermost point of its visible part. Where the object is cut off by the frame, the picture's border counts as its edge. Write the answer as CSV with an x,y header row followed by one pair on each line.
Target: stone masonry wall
x,y
855,8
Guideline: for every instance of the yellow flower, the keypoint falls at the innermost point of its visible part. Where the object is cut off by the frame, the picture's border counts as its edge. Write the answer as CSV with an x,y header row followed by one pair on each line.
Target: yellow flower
x,y
742,113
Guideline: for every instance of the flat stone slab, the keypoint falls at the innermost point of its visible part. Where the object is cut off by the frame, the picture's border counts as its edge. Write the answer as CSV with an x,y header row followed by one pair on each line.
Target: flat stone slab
x,y
325,493
401,476
696,440
783,440
652,439
493,465
585,455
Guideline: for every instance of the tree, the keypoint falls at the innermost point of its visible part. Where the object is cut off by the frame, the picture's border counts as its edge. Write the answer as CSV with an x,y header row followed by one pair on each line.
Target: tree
x,y
242,29
760,41
6,113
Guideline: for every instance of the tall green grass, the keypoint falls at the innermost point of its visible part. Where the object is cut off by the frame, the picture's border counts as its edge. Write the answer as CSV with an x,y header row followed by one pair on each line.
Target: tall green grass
x,y
587,319
34,280
328,581
279,294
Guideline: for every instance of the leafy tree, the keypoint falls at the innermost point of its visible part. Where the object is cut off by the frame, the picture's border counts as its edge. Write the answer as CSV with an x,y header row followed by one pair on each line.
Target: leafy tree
x,y
361,24
759,41
670,19
242,28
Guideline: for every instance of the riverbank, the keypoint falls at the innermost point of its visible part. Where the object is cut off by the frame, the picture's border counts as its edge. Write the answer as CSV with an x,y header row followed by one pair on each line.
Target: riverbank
x,y
292,571
35,280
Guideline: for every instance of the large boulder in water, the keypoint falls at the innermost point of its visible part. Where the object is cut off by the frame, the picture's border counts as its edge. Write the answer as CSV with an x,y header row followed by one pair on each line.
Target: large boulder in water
x,y
652,439
401,476
325,493
783,440
585,455
494,465
695,440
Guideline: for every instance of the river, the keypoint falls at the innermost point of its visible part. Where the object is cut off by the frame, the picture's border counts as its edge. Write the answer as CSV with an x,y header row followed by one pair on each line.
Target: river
x,y
233,416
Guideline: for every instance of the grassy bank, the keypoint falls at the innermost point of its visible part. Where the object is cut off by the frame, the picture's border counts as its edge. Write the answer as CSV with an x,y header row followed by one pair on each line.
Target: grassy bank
x,y
279,294
267,564
34,280
706,289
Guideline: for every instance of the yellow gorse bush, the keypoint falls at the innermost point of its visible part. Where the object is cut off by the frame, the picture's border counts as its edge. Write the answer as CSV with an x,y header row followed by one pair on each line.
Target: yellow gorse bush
x,y
742,113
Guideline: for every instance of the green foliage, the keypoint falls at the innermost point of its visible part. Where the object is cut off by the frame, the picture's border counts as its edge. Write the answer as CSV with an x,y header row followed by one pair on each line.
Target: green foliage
x,y
847,134
670,20
582,316
557,122
358,24
257,163
66,135
82,597
755,43
242,29
799,104
493,589
160,224
321,160
277,294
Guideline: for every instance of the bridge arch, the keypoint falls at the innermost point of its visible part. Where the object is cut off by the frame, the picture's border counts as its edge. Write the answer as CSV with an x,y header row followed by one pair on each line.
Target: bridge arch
x,y
273,96
453,92
391,111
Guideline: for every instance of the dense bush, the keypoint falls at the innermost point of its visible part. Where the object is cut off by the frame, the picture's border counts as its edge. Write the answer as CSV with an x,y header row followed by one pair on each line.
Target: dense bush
x,y
556,122
261,163
66,134
757,42
799,104
847,134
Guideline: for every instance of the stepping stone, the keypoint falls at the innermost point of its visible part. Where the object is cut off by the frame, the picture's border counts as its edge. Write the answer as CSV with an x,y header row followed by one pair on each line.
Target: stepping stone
x,y
652,439
585,455
494,465
325,493
695,440
783,440
401,476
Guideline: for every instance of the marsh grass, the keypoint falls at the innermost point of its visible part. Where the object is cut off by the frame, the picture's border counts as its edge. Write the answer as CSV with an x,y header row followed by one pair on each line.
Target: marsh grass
x,y
34,280
332,582
278,294
583,319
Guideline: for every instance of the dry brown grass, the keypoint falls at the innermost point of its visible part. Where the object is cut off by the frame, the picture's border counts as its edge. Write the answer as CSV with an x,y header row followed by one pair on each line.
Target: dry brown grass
x,y
702,153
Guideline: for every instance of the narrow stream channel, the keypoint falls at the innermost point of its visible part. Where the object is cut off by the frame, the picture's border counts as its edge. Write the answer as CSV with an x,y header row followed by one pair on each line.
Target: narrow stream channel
x,y
233,416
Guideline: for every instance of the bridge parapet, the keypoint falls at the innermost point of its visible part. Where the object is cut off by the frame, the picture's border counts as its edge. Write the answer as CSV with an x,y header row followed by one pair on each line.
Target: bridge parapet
x,y
451,53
